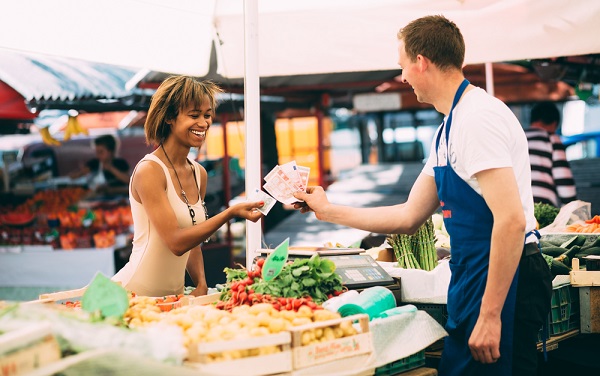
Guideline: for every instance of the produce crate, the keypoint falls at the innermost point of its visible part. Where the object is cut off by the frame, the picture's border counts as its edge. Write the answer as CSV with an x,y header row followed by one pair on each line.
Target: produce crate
x,y
439,312
564,311
278,362
574,319
402,365
204,300
61,296
26,349
350,346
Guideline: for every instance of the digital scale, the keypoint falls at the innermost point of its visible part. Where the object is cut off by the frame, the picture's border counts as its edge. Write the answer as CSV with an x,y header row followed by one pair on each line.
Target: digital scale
x,y
358,271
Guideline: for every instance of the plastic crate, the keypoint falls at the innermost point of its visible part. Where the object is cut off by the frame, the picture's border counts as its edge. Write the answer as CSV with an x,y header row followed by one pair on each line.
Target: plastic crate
x,y
402,365
439,312
560,311
564,311
574,319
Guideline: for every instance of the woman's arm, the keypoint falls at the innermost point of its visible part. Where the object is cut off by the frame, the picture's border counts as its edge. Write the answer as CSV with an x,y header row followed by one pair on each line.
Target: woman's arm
x,y
149,188
195,267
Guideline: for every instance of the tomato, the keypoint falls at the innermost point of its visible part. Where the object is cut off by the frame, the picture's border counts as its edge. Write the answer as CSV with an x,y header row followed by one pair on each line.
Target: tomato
x,y
260,262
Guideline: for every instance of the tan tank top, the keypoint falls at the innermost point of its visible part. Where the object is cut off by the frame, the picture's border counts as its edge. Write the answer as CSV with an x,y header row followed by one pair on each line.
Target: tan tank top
x,y
153,270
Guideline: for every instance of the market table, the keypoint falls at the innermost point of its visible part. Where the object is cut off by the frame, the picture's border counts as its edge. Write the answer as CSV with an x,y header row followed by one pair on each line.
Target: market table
x,y
49,270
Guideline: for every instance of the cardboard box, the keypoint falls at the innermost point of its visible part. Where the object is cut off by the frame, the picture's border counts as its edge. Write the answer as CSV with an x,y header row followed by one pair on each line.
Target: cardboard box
x,y
26,349
278,362
323,352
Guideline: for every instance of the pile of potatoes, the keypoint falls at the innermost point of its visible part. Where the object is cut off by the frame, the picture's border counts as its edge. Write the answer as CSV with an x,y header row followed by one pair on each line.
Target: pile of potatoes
x,y
205,323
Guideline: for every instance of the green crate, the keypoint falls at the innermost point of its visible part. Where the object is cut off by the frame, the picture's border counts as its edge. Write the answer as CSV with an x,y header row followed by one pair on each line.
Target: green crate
x,y
439,312
564,312
402,365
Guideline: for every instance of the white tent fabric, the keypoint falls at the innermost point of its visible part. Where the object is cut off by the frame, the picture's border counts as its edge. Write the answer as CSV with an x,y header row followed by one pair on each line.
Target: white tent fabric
x,y
294,37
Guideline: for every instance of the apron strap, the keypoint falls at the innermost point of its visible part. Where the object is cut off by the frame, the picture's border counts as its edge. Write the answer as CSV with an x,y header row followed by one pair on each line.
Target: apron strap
x,y
446,126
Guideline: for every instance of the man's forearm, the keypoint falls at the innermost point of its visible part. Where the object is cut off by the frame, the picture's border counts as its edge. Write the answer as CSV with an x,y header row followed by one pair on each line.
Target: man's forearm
x,y
505,253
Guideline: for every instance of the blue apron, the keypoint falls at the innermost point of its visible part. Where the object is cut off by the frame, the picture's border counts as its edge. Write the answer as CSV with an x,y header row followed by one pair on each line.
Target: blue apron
x,y
469,222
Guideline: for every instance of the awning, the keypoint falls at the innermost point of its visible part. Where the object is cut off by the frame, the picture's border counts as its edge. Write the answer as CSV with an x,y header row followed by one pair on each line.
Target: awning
x,y
45,81
12,104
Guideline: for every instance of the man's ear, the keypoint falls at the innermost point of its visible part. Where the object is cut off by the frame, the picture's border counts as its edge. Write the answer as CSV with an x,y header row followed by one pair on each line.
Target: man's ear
x,y
423,63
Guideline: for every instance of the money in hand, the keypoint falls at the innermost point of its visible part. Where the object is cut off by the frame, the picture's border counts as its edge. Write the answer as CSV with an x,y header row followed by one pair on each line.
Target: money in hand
x,y
269,201
285,180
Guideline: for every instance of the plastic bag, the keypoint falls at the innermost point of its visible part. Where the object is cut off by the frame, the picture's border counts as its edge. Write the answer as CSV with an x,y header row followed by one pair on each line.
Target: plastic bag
x,y
574,211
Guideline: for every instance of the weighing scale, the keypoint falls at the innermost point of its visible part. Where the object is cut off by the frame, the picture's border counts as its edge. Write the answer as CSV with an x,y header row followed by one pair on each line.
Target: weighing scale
x,y
358,271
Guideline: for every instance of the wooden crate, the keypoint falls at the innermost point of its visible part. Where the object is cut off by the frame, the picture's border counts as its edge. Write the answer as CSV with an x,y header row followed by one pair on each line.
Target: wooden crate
x,y
24,350
204,300
280,362
59,296
310,355
589,305
583,277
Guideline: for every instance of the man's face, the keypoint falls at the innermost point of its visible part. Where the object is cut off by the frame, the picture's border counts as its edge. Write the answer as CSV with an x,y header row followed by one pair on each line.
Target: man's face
x,y
410,70
103,154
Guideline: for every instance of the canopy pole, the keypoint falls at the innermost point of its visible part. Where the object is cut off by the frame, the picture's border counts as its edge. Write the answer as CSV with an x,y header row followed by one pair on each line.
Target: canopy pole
x,y
252,120
489,78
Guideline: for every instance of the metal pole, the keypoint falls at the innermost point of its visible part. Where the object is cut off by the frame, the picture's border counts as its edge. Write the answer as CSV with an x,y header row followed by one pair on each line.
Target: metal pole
x,y
252,119
489,78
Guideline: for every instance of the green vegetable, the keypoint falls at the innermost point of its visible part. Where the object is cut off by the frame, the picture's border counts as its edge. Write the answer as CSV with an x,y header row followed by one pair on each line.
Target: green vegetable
x,y
314,277
548,259
558,268
594,244
587,252
544,213
416,251
553,251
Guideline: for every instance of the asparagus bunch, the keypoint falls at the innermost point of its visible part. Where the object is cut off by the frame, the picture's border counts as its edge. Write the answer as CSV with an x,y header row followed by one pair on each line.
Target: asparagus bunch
x,y
403,249
416,251
424,246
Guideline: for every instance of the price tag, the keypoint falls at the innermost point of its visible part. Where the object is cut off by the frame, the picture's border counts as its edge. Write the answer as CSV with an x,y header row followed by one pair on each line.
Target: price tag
x,y
105,296
276,261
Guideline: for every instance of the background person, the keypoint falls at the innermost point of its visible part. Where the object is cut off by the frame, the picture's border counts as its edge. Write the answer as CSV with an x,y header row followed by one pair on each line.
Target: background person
x,y
478,171
167,193
551,176
108,173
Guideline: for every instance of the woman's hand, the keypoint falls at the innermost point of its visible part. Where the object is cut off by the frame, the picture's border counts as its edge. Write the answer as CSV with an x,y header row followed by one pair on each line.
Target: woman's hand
x,y
199,291
248,210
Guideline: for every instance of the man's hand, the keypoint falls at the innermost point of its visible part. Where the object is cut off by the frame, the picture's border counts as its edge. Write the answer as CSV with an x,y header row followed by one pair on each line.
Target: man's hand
x,y
485,339
314,199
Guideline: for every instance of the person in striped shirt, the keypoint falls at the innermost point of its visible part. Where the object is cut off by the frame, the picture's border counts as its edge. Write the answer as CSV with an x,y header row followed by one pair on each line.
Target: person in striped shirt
x,y
551,177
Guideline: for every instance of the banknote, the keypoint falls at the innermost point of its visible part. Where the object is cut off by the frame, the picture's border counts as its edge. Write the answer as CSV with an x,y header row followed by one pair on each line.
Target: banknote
x,y
269,201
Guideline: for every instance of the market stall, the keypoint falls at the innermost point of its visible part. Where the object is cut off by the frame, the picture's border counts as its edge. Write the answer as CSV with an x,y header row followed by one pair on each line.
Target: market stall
x,y
58,239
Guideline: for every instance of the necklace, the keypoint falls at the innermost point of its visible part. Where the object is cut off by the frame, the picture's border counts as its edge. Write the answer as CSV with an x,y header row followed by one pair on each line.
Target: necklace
x,y
185,199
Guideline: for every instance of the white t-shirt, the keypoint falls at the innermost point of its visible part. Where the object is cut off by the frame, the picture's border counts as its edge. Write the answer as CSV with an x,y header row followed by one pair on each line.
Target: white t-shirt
x,y
485,134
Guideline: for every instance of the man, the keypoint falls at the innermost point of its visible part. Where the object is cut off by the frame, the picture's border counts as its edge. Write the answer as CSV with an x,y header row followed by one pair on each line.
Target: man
x,y
108,173
551,177
485,195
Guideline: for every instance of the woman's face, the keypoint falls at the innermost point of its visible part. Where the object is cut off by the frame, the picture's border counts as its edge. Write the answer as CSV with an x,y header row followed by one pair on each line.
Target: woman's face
x,y
192,123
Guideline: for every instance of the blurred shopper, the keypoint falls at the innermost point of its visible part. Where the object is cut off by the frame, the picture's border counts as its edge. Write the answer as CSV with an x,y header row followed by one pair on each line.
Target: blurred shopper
x,y
167,193
551,176
478,172
107,173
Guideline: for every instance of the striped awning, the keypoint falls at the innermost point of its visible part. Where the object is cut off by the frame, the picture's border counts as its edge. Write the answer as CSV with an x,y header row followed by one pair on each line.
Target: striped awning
x,y
45,79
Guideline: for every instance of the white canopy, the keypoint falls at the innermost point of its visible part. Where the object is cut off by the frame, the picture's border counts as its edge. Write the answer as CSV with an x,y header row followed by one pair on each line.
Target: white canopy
x,y
294,37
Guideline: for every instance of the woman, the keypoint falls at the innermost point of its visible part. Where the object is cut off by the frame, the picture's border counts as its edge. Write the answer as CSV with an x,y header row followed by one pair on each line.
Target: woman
x,y
167,193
